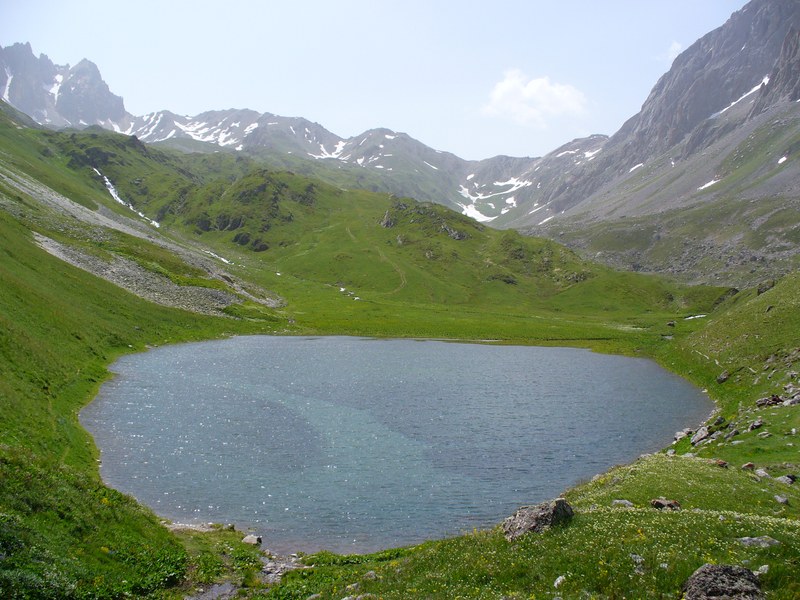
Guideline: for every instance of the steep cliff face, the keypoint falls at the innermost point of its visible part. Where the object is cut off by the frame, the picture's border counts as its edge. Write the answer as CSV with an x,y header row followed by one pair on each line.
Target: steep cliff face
x,y
85,99
26,82
57,95
784,81
751,58
715,71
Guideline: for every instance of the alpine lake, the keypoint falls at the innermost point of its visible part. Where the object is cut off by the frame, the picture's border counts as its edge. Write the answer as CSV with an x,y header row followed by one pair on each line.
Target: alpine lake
x,y
355,445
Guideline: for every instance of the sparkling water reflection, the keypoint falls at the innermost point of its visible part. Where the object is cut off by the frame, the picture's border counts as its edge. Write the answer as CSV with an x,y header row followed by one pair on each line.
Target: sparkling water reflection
x,y
356,444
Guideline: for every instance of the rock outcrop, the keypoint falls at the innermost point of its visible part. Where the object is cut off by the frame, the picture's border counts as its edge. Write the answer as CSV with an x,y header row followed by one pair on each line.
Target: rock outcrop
x,y
722,581
537,518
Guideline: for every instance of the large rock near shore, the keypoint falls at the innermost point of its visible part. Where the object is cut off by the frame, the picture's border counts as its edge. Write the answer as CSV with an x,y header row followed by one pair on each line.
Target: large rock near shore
x,y
537,518
711,582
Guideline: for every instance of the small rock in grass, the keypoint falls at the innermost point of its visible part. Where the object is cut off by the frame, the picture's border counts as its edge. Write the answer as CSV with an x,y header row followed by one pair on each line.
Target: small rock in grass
x,y
663,503
762,473
639,562
756,424
701,434
254,540
732,433
762,570
721,463
764,435
763,541
781,499
722,581
622,502
773,400
787,479
559,580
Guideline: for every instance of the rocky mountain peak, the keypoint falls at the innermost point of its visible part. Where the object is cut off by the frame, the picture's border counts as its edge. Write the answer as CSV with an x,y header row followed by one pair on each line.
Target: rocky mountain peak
x,y
717,69
84,98
57,95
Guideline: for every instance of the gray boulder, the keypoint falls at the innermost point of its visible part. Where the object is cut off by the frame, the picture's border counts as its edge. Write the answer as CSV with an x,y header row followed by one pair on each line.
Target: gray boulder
x,y
254,540
762,541
722,581
537,518
701,434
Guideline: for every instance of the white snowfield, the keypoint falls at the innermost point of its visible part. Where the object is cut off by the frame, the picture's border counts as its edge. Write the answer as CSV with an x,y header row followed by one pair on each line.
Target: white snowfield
x,y
113,191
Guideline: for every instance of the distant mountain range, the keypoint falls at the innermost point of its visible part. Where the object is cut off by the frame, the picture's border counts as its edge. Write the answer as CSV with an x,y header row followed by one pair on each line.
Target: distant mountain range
x,y
720,126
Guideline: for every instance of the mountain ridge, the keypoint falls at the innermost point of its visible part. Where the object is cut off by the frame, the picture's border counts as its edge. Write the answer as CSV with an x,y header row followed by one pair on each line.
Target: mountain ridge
x,y
722,89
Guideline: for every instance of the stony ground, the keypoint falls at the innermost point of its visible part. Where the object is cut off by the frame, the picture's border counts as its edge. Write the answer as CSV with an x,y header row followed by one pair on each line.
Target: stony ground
x,y
60,214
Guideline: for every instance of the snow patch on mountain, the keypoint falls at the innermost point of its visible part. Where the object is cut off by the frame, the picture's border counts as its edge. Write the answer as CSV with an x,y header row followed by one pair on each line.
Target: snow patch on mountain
x,y
337,151
708,185
9,78
764,81
115,195
536,208
511,202
56,87
471,211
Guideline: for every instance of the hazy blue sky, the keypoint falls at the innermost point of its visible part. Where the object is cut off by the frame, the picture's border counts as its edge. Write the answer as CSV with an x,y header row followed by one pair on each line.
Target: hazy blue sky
x,y
476,78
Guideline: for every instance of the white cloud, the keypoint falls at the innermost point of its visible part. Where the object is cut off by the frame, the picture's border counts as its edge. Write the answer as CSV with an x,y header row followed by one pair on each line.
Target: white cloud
x,y
533,101
671,54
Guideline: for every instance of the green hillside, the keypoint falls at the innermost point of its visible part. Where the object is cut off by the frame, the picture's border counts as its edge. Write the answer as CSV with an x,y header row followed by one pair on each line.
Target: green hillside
x,y
303,256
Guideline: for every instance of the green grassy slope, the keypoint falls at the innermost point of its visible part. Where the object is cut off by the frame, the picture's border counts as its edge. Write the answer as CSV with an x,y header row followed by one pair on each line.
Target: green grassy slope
x,y
409,264
367,264
62,533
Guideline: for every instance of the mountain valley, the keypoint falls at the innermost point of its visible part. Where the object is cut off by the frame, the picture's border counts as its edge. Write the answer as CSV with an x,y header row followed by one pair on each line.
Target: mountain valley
x,y
716,101
676,239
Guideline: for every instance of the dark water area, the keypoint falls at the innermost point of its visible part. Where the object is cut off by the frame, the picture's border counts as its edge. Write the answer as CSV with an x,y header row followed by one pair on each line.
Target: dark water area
x,y
355,445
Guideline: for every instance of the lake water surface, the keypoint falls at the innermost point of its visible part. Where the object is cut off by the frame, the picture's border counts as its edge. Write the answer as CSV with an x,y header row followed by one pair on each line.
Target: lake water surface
x,y
356,444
